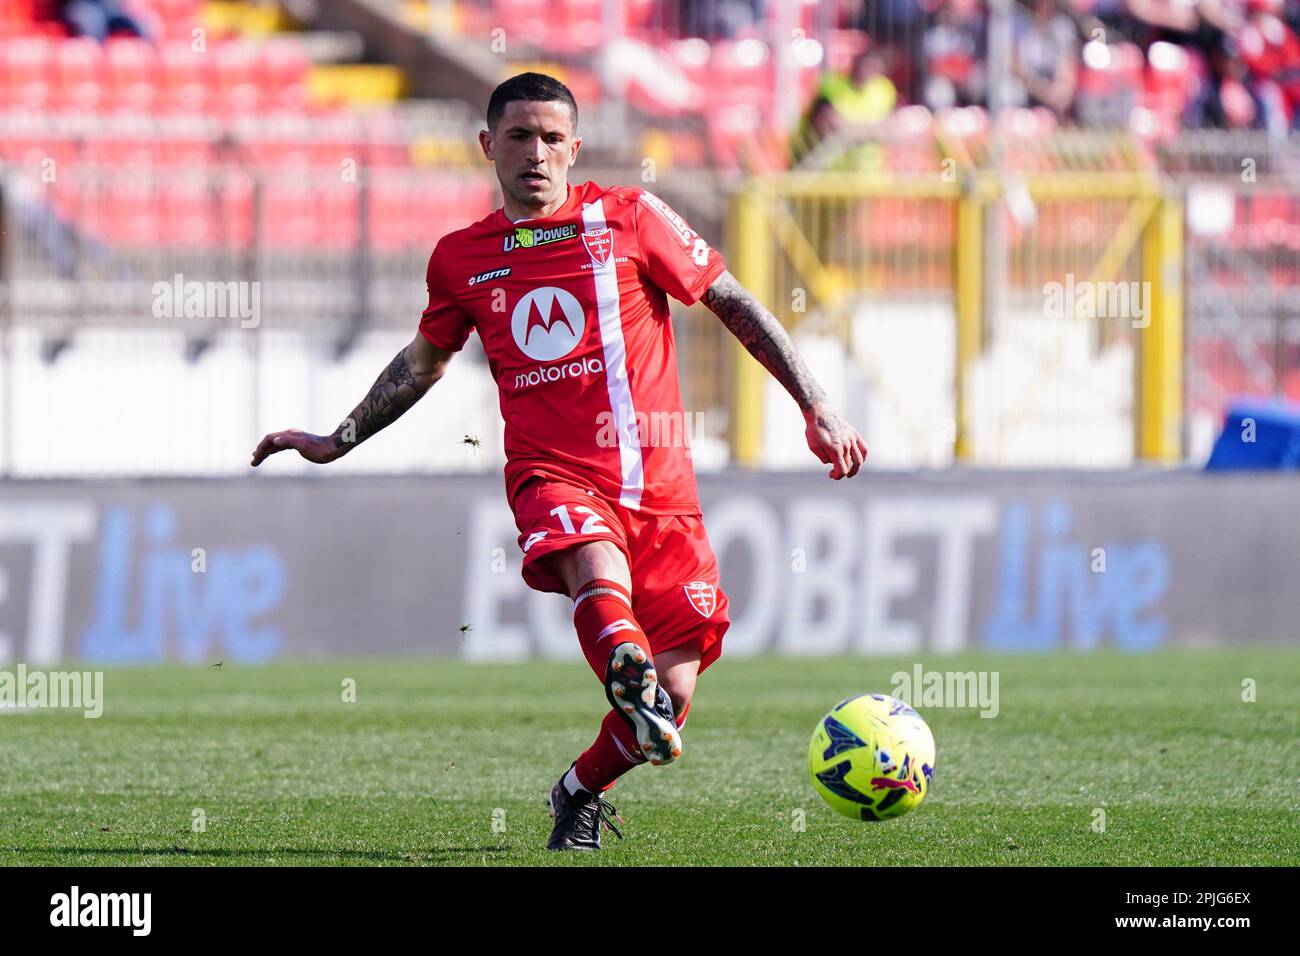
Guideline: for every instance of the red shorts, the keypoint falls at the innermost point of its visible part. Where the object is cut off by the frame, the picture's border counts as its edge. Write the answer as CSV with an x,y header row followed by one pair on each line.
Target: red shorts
x,y
676,596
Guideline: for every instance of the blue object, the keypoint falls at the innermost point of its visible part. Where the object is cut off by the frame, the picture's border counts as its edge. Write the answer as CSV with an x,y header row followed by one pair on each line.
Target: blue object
x,y
1260,436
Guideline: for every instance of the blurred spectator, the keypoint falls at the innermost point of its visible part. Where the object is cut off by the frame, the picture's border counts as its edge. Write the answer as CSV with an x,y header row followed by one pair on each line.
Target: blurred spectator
x,y
818,125
718,19
865,96
1045,58
954,56
98,19
902,25
847,104
1270,51
1231,104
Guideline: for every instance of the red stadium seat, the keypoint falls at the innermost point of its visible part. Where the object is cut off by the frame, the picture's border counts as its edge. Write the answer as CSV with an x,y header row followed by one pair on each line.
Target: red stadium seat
x,y
575,26
298,213
29,65
638,13
235,204
134,74
526,21
128,153
81,72
1272,216
282,74
238,89
121,212
189,213
740,73
188,79
406,214
277,154
187,152
16,17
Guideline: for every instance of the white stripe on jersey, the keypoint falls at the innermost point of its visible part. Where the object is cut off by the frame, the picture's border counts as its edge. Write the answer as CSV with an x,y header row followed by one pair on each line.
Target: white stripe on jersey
x,y
620,390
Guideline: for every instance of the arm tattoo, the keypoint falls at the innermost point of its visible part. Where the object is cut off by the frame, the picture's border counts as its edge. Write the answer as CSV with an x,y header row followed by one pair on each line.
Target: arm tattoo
x,y
765,338
393,393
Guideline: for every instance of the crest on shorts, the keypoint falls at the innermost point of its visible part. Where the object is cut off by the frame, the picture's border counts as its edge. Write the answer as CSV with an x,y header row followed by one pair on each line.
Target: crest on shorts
x,y
599,243
702,596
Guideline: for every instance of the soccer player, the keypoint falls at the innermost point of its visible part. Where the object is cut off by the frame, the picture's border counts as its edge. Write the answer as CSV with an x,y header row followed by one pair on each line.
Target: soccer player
x,y
568,289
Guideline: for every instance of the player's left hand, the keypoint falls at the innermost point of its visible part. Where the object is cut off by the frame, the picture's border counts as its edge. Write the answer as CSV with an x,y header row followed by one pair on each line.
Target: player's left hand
x,y
835,442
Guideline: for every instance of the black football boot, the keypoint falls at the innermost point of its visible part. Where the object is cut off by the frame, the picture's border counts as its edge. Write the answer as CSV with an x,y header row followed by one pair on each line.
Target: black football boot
x,y
579,818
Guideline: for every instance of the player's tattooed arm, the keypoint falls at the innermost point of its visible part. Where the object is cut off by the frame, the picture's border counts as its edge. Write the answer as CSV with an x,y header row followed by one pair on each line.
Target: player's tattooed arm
x,y
410,374
394,391
765,338
832,439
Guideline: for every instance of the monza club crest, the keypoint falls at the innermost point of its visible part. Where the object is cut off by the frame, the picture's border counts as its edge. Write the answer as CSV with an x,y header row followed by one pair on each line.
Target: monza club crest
x,y
599,243
702,596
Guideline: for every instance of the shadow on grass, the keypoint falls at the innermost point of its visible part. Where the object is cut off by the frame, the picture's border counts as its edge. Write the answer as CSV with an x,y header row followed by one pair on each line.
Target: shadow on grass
x,y
411,856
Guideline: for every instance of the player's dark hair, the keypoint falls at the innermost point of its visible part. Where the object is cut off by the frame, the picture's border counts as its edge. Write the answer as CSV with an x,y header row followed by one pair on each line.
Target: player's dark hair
x,y
532,88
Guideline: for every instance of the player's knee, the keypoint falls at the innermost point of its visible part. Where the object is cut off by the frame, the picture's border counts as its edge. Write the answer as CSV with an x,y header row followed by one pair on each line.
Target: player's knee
x,y
679,691
589,561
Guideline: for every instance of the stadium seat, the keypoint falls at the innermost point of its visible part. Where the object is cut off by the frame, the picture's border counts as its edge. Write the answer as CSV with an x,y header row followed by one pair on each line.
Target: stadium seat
x,y
526,21
282,74
189,212
188,79
16,17
238,88
129,152
81,74
235,222
133,74
316,213
121,212
29,65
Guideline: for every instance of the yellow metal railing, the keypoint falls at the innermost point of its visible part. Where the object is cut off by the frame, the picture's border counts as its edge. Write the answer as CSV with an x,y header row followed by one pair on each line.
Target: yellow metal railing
x,y
841,239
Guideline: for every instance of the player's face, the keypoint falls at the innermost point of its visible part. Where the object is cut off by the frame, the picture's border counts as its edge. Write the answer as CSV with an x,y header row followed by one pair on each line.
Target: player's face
x,y
533,147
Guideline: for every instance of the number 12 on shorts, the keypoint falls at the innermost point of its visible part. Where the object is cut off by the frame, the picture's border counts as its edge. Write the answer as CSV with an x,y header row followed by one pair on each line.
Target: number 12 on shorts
x,y
592,525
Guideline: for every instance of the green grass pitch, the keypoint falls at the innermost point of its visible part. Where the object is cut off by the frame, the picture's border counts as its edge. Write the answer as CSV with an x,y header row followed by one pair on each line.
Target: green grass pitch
x,y
440,762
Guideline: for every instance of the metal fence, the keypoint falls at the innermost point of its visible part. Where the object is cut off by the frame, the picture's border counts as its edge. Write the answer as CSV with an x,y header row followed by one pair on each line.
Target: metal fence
x,y
1022,316
1243,272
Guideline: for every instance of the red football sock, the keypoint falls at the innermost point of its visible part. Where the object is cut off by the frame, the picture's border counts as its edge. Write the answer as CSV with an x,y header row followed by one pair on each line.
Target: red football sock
x,y
602,614
681,718
612,754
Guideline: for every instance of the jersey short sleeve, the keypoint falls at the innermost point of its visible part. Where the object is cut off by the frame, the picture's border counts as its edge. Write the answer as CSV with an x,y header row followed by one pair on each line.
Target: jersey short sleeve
x,y
443,322
673,255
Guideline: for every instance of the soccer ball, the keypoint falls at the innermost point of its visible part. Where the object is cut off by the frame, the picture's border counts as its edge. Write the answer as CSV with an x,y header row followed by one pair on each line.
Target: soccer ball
x,y
871,757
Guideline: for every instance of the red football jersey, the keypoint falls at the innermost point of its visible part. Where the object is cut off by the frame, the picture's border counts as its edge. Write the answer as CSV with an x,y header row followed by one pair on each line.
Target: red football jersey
x,y
572,310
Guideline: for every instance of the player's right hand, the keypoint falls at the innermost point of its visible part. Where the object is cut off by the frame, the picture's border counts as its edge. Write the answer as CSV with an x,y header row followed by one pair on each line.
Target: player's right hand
x,y
320,449
835,442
